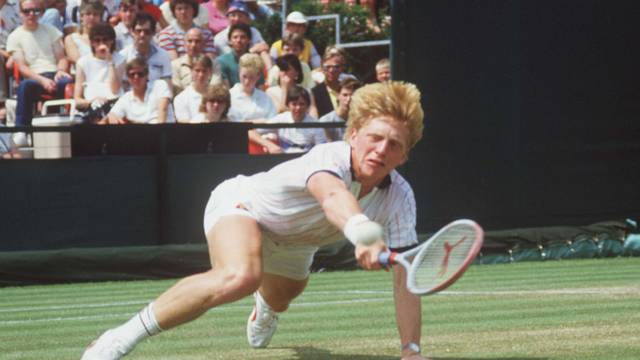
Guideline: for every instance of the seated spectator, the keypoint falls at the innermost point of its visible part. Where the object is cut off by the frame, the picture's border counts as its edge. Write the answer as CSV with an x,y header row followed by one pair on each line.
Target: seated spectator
x,y
347,87
214,105
383,70
155,12
200,17
248,103
73,16
10,15
187,103
292,45
217,14
238,13
294,140
77,44
239,38
172,38
158,59
296,23
181,67
55,14
37,50
124,29
289,76
148,101
326,92
99,74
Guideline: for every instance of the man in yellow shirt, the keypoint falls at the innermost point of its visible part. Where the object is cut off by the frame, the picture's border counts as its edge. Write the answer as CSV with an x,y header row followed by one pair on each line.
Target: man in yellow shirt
x,y
296,23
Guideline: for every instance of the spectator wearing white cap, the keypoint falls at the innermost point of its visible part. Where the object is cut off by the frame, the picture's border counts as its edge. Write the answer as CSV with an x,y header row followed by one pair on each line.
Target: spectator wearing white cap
x,y
296,23
238,12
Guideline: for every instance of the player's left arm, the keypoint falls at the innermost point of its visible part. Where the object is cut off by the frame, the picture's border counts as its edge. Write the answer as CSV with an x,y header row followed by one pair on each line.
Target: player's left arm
x,y
408,314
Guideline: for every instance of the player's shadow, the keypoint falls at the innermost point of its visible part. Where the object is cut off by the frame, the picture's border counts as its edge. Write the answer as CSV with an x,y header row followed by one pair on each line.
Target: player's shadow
x,y
312,353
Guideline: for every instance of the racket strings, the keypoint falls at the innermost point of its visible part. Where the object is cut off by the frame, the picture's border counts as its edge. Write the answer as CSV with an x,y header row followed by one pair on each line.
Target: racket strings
x,y
443,257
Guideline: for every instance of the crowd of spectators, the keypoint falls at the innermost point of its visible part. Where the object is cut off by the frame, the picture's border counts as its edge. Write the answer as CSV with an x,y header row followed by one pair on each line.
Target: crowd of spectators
x,y
136,61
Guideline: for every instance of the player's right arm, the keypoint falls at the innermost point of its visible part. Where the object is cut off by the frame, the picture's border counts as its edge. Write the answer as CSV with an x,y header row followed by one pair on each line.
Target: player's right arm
x,y
342,209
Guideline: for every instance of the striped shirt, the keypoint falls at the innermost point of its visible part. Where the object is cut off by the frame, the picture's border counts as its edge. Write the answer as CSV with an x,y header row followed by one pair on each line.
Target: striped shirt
x,y
172,38
288,213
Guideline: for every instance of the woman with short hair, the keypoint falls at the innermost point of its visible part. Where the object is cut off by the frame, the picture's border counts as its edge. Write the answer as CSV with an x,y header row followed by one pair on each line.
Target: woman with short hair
x,y
187,102
77,44
214,105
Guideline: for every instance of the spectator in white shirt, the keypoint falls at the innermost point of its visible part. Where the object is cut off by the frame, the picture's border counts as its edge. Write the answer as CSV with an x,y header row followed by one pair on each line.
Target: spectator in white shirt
x,y
341,114
127,12
294,140
248,103
187,103
214,105
77,44
99,74
148,101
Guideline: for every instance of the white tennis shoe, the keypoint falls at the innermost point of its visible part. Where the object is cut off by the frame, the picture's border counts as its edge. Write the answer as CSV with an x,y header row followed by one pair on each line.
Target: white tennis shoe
x,y
262,323
106,347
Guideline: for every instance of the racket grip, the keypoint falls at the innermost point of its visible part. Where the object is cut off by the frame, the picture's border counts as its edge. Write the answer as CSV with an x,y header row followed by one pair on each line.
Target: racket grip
x,y
387,258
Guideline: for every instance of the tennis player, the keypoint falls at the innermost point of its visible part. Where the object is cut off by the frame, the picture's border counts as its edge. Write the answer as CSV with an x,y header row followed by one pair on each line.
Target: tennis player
x,y
263,230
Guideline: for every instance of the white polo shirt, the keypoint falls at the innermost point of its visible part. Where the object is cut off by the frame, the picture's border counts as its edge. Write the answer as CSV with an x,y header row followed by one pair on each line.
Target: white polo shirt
x,y
187,104
295,140
245,108
289,214
144,112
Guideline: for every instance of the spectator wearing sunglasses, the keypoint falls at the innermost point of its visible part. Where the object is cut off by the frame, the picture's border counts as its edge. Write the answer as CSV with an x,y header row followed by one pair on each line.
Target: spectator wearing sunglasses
x,y
38,51
143,47
99,74
148,101
326,92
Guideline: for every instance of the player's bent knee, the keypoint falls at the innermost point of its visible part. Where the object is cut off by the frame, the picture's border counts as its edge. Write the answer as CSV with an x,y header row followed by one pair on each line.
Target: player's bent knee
x,y
237,284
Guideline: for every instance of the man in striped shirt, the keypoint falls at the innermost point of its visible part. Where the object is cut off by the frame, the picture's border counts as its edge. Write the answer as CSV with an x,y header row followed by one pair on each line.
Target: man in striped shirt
x,y
263,230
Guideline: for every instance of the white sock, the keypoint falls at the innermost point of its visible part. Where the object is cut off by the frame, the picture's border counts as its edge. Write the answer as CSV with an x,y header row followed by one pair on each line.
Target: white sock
x,y
139,327
262,303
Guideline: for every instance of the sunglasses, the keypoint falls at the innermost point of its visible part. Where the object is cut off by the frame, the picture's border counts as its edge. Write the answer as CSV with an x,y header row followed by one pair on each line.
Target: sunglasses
x,y
134,74
143,31
331,67
32,11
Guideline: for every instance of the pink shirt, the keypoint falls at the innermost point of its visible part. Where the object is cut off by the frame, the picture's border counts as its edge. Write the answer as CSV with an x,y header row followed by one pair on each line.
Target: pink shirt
x,y
217,20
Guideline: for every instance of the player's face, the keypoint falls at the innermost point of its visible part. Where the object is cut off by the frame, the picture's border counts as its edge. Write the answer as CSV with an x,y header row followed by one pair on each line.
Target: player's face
x,y
378,147
298,108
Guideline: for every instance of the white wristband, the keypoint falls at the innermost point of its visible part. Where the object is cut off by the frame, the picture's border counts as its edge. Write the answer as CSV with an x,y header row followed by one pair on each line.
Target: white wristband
x,y
360,230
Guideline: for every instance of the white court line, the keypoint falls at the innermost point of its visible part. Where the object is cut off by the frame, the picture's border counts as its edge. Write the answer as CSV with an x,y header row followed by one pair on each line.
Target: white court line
x,y
224,308
585,291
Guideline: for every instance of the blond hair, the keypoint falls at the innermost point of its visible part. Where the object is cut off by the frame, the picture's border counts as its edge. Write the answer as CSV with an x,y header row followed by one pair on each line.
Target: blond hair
x,y
251,62
396,99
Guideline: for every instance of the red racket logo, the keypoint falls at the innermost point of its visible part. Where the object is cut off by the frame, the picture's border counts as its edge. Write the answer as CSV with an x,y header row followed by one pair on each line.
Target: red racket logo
x,y
448,249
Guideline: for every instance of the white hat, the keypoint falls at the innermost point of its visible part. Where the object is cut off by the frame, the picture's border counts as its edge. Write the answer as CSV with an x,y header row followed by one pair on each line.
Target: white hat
x,y
296,17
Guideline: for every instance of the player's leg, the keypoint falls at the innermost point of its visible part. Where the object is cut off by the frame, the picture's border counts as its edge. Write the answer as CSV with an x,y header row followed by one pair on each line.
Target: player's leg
x,y
286,273
235,248
235,251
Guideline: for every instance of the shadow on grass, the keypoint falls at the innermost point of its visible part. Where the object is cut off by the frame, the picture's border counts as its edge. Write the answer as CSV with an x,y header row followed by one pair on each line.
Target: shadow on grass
x,y
312,353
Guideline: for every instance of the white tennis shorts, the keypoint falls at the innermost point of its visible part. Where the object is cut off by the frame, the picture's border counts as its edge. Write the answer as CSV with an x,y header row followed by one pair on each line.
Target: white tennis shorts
x,y
288,260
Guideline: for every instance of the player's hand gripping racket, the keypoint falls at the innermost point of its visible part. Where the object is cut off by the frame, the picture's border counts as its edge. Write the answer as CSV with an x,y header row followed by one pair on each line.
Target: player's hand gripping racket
x,y
441,260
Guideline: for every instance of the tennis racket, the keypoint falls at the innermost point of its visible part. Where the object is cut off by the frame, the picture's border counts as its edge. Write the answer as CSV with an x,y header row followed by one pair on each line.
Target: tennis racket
x,y
441,260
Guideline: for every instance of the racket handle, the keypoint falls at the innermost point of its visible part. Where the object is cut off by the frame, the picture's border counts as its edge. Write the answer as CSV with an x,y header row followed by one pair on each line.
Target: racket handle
x,y
387,258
